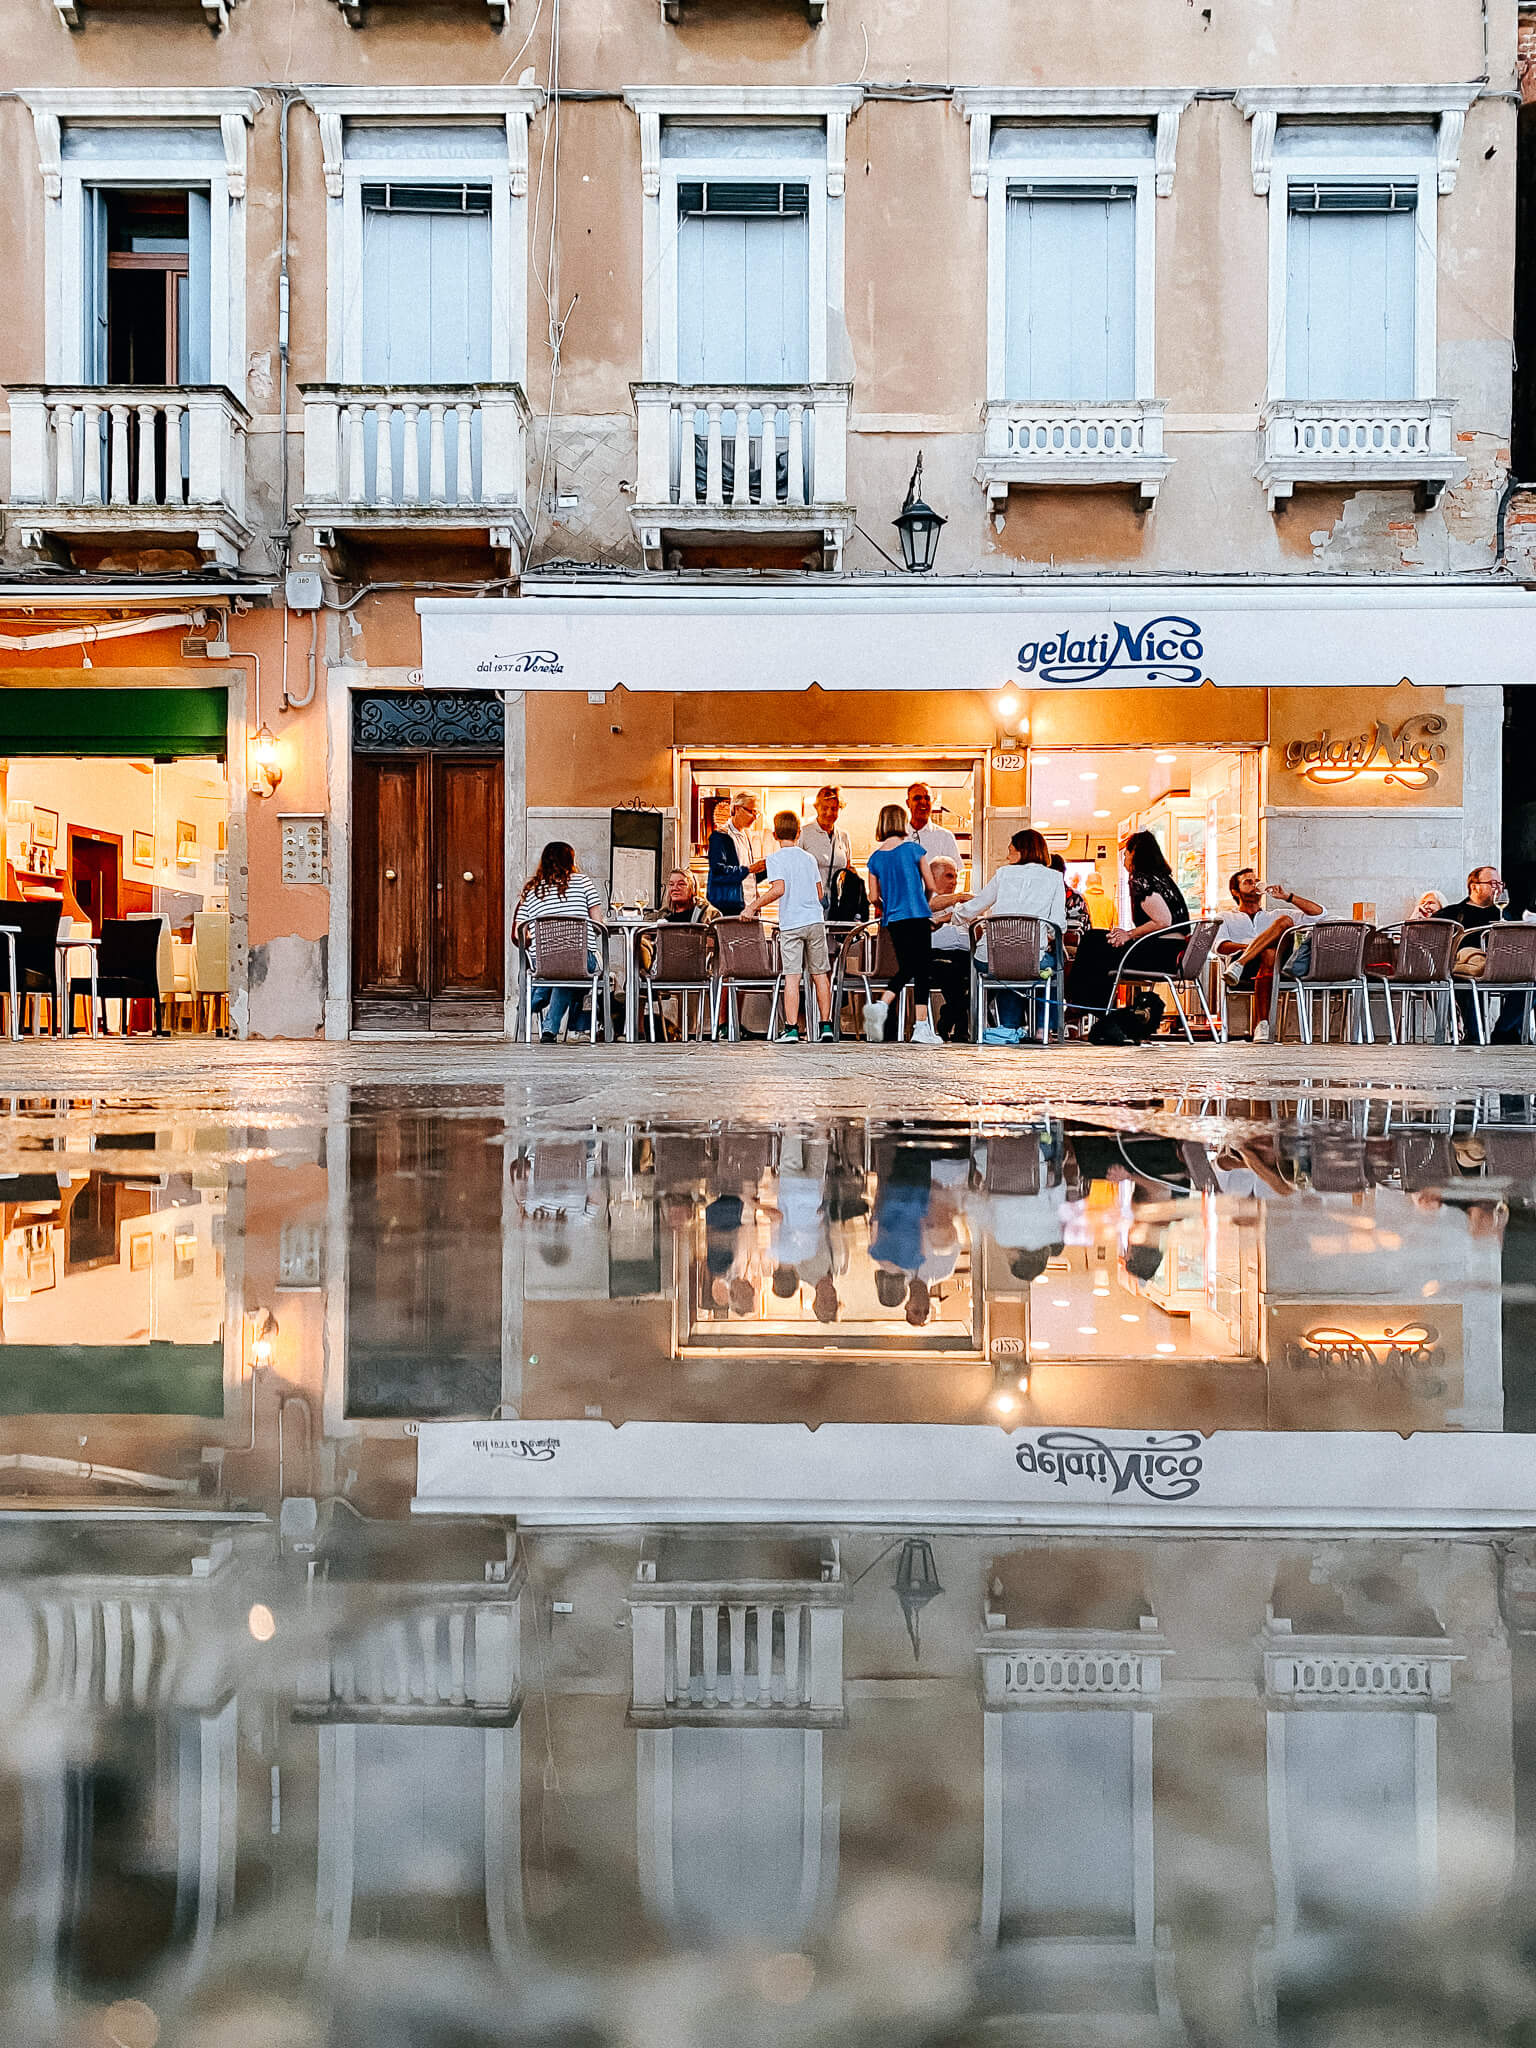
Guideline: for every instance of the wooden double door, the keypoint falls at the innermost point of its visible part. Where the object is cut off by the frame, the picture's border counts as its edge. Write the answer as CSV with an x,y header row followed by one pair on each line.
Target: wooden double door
x,y
428,892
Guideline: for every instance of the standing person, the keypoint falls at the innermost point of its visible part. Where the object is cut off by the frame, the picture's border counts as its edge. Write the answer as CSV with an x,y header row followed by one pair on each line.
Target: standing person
x,y
1101,911
930,837
795,885
1251,935
951,959
558,888
1157,906
825,840
899,883
734,861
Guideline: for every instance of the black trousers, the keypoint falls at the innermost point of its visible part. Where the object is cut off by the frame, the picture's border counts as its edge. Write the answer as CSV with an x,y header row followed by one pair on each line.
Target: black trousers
x,y
950,973
912,942
1092,973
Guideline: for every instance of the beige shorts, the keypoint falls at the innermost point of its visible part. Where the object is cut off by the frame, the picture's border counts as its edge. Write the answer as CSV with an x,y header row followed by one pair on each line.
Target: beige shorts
x,y
805,947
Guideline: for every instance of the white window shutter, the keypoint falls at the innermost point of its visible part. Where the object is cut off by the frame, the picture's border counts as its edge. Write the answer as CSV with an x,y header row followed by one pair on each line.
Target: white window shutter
x,y
743,299
1350,306
1071,320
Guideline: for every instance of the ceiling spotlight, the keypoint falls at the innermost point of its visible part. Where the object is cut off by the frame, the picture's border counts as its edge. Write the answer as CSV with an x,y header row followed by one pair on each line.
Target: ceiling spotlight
x,y
1061,803
1101,814
1167,760
1130,789
1089,775
1041,760
1167,1347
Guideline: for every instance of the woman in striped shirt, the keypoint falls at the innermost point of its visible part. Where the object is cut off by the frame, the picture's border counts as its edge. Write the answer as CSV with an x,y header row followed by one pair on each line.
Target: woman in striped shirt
x,y
558,888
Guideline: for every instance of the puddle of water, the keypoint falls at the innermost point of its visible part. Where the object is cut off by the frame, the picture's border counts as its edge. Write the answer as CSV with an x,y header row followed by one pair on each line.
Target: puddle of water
x,y
1062,1577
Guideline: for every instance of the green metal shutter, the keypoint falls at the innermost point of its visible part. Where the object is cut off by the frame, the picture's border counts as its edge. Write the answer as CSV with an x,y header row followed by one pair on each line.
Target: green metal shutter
x,y
167,723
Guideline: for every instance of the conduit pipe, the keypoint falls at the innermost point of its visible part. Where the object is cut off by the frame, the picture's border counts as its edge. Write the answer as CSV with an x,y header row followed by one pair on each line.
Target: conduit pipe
x,y
87,636
109,1475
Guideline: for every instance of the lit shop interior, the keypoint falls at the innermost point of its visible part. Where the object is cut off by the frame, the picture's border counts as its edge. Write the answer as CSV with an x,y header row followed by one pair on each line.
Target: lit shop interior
x,y
115,840
1201,804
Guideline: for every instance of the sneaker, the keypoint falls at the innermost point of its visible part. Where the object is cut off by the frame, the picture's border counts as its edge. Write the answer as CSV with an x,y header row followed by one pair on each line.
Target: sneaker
x,y
875,1015
923,1033
1232,974
1261,1032
547,1038
825,1034
790,1035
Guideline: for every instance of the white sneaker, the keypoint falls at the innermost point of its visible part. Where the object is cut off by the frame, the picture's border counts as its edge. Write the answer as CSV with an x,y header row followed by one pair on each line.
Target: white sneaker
x,y
875,1015
923,1033
1232,973
1261,1032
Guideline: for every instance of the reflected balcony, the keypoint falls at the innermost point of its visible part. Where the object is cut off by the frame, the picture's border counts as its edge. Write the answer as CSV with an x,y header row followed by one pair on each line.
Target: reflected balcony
x,y
737,1633
439,461
155,465
724,464
1405,441
1034,444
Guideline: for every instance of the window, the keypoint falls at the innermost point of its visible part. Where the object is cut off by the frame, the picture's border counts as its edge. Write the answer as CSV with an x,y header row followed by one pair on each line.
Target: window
x,y
146,287
743,282
1068,1838
426,297
1351,287
1070,292
741,198
1071,314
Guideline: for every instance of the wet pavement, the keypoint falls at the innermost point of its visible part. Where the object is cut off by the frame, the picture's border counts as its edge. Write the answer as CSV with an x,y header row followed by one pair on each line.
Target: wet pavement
x,y
501,1550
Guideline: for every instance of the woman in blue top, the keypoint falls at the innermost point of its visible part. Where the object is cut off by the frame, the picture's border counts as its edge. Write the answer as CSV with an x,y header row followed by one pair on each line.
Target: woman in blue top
x,y
899,884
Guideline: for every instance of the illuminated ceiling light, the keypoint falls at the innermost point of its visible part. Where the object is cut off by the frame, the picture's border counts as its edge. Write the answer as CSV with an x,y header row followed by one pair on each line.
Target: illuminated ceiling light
x,y
1130,789
1101,814
1130,1319
1089,775
1057,1302
1008,705
1167,1347
1040,1344
1042,760
1061,803
1166,760
262,1623
1087,1329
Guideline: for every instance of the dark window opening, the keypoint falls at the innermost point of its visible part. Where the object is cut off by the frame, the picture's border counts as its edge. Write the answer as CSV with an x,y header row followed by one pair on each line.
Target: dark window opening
x,y
148,252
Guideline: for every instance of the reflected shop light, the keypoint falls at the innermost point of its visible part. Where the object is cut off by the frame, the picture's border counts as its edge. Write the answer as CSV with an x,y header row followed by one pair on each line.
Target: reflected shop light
x,y
261,1333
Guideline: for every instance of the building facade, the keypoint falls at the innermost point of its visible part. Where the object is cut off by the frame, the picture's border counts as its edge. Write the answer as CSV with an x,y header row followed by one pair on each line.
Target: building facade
x,y
438,430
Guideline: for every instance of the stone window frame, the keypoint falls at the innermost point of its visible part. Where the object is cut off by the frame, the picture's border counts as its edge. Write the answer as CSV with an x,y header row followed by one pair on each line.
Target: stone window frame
x,y
729,106
64,184
506,174
1435,169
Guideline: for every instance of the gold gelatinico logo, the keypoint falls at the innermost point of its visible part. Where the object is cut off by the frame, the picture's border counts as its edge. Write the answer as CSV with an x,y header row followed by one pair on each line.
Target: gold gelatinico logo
x,y
1415,1347
1408,757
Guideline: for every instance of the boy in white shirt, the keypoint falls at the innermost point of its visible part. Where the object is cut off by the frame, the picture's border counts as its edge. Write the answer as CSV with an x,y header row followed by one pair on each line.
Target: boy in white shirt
x,y
793,881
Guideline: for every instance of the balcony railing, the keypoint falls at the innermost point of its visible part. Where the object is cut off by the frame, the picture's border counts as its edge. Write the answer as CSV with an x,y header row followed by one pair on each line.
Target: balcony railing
x,y
1029,443
1397,440
745,1650
672,10
452,1661
1029,1667
110,459
1360,1671
741,458
442,455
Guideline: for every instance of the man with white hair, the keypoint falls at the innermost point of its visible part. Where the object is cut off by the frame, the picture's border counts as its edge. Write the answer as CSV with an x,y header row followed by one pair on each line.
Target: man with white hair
x,y
933,839
735,859
951,959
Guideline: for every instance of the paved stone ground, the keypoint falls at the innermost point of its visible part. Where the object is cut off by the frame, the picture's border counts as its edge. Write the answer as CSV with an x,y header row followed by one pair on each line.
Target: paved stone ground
x,y
258,1081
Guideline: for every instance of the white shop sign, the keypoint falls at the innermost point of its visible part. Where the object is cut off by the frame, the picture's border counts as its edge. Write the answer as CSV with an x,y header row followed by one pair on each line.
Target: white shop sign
x,y
571,1472
961,638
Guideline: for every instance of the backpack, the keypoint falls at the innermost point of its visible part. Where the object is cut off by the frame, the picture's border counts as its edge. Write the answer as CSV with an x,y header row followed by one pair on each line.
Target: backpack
x,y
847,900
1133,1025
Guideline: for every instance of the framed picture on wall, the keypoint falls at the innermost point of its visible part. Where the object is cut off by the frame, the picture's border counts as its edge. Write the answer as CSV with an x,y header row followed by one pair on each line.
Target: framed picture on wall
x,y
143,849
141,1251
45,827
186,844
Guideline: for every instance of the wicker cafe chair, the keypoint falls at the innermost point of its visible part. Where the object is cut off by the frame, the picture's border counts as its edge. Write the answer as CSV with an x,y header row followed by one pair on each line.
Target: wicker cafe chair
x,y
1510,970
556,957
1186,973
866,958
746,961
681,963
1419,971
1013,1162
1016,950
1335,966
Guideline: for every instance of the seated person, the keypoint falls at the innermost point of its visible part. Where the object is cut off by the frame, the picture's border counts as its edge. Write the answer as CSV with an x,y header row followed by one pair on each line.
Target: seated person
x,y
1480,907
1026,885
1251,935
951,953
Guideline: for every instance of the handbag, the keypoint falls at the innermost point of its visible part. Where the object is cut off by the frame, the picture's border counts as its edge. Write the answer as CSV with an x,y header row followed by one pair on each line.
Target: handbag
x,y
847,897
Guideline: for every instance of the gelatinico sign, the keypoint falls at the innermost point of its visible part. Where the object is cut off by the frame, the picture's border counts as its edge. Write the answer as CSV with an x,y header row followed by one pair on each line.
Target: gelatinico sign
x,y
1163,1468
1412,1347
1409,756
1168,649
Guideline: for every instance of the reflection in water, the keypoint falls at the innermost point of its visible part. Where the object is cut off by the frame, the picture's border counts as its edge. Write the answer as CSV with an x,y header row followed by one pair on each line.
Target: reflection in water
x,y
289,1761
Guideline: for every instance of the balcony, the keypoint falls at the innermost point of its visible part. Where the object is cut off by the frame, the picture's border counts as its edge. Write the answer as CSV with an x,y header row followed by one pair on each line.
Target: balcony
x,y
1031,444
441,461
1068,1666
725,1635
727,463
1380,441
1355,1671
156,466
215,13
672,10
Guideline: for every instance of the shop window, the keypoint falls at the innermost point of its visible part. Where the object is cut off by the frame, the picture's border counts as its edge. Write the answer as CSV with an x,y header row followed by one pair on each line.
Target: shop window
x,y
1350,287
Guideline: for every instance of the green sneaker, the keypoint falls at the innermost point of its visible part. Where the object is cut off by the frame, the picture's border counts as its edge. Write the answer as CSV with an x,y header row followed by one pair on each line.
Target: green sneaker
x,y
825,1034
790,1035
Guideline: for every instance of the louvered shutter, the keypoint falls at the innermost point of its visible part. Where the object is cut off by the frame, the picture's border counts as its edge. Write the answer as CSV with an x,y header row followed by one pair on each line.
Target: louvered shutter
x,y
1351,276
1071,280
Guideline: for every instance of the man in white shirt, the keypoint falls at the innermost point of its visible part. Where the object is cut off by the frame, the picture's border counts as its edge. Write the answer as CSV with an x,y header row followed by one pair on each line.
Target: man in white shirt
x,y
933,839
823,841
951,957
1251,935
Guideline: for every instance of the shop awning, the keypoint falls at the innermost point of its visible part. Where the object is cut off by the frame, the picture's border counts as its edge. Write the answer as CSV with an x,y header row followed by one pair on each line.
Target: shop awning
x,y
112,1379
912,634
167,723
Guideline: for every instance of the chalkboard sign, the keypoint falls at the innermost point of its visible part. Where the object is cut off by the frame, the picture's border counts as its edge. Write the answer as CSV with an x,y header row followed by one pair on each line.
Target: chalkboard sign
x,y
634,858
